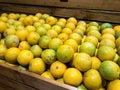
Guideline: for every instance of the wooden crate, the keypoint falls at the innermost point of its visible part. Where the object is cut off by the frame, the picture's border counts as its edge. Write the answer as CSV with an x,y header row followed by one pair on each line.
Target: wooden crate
x,y
12,78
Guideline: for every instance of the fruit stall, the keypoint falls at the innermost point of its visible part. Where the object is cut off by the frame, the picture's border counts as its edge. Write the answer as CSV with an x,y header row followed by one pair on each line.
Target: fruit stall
x,y
59,45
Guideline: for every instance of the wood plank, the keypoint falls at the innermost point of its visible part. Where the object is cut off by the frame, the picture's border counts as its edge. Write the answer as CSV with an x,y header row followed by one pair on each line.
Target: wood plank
x,y
5,87
31,79
14,85
85,14
88,4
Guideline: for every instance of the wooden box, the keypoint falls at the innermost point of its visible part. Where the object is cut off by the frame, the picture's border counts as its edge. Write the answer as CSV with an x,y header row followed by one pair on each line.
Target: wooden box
x,y
12,78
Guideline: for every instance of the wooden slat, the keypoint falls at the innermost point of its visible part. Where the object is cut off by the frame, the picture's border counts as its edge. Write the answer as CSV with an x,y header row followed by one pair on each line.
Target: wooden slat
x,y
13,85
5,87
96,15
31,79
88,4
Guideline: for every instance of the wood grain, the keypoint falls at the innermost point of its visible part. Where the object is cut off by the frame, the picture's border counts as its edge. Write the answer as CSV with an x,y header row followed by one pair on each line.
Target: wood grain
x,y
29,80
84,14
89,4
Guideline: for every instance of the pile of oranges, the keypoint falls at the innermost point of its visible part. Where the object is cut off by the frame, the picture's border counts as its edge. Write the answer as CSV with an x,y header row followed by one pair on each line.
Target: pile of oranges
x,y
82,54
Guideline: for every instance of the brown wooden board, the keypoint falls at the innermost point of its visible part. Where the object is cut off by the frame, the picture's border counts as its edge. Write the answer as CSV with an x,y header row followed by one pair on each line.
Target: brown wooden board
x,y
84,14
24,80
89,4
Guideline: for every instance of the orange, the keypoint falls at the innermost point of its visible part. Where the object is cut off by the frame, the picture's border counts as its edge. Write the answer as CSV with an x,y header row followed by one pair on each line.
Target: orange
x,y
72,43
57,28
109,70
24,45
81,87
22,34
117,42
3,18
76,37
72,20
52,33
41,30
57,69
24,57
95,63
107,42
79,31
3,50
67,31
92,28
46,26
65,53
83,23
38,15
106,53
95,33
11,41
30,28
93,23
48,56
3,26
12,16
92,39
9,31
60,80
61,24
63,36
105,25
72,76
62,20
37,65
28,20
92,79
51,20
108,30
87,47
11,54
35,19
4,14
44,41
82,61
44,16
42,21
55,43
70,25
117,28
37,24
81,27
33,38
36,50
114,85
108,36
48,75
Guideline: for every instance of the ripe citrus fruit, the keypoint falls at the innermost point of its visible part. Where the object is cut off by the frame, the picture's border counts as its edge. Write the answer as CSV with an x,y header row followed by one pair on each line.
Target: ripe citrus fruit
x,y
109,70
52,33
92,28
36,50
79,31
81,87
106,53
57,28
55,43
11,41
108,30
9,31
33,38
88,47
48,75
114,85
107,42
61,24
108,36
28,20
3,26
93,23
95,63
82,61
3,50
48,56
51,20
24,57
91,39
57,69
117,28
72,43
24,45
76,37
46,26
70,25
44,41
117,42
63,36
30,28
65,53
72,76
22,34
60,80
72,20
37,65
44,16
41,30
92,79
12,16
105,25
12,54
67,30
